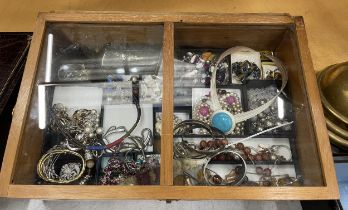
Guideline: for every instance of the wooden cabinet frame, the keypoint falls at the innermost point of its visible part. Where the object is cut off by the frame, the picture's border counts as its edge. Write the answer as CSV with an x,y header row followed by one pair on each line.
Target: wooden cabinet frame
x,y
166,190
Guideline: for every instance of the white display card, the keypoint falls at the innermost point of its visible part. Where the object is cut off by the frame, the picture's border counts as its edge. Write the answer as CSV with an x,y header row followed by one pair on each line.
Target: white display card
x,y
78,97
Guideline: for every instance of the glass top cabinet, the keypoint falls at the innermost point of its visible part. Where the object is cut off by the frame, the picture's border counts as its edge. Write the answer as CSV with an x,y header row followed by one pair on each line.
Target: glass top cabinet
x,y
168,106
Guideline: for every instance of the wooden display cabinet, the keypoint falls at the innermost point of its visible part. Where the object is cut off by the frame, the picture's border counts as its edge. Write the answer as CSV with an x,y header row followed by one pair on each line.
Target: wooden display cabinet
x,y
281,33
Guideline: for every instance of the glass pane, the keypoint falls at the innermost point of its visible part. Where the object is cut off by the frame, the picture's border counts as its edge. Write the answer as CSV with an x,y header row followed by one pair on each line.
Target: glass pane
x,y
217,139
92,115
13,53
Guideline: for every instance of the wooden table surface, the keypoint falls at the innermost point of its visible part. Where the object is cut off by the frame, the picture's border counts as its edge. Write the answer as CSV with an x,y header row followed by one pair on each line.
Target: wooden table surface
x,y
326,20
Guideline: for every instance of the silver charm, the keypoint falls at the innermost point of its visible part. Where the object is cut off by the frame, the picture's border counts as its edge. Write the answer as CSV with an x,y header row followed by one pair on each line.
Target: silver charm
x,y
69,171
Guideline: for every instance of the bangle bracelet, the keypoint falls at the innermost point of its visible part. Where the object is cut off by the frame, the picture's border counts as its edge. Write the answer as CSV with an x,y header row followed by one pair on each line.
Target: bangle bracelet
x,y
183,149
69,172
232,178
186,127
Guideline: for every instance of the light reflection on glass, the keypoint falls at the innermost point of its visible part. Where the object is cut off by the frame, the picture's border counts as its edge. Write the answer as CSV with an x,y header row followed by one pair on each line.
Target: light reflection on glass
x,y
42,106
280,108
120,71
134,70
49,57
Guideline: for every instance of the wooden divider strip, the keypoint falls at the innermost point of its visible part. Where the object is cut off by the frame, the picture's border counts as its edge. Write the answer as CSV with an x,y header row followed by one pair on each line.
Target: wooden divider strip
x,y
167,105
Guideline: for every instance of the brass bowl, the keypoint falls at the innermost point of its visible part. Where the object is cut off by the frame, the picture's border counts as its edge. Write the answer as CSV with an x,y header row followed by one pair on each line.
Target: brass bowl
x,y
338,141
338,135
336,127
333,87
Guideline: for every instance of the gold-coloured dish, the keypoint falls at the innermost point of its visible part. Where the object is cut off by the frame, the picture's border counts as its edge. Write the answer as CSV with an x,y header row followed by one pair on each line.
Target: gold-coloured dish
x,y
333,87
337,127
337,140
